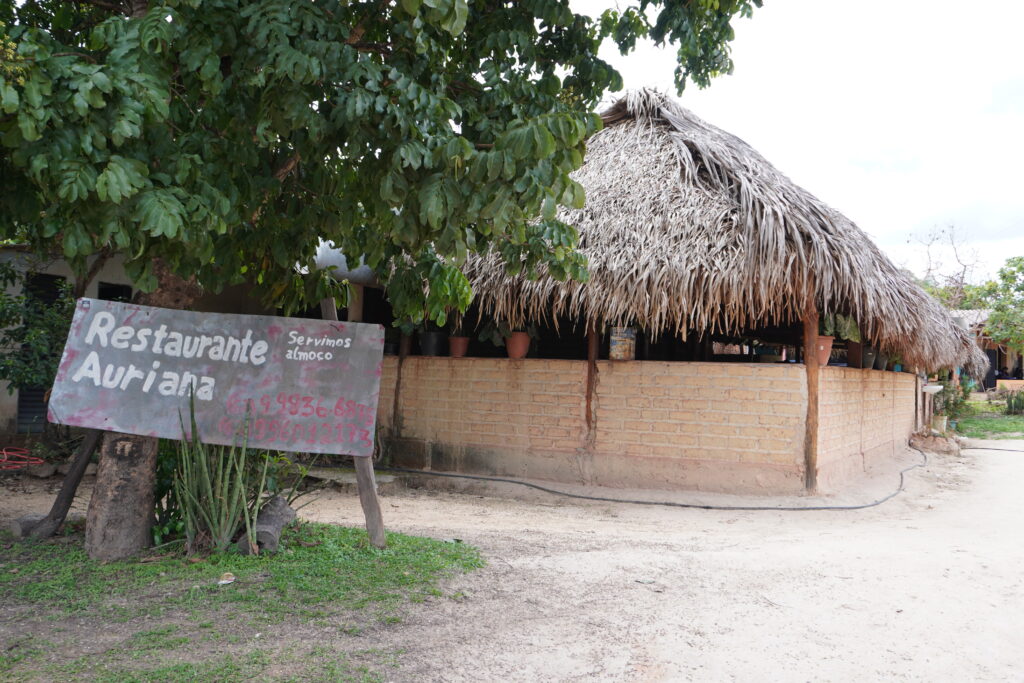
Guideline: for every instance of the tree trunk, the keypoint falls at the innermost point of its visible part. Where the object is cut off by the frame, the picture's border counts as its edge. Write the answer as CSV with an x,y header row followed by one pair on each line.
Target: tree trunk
x,y
121,509
274,516
49,524
120,513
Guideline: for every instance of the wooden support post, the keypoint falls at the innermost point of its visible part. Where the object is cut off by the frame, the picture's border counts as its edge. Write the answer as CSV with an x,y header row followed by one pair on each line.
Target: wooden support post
x,y
810,353
355,304
366,483
593,349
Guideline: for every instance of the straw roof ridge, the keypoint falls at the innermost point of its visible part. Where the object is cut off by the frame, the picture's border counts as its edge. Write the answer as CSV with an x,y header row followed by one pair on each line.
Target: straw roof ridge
x,y
687,227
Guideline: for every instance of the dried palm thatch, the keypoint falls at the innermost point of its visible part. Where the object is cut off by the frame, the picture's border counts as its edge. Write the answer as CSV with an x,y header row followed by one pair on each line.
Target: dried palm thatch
x,y
686,227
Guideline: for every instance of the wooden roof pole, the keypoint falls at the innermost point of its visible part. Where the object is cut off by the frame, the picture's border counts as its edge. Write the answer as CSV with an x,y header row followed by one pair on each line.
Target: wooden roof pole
x,y
811,424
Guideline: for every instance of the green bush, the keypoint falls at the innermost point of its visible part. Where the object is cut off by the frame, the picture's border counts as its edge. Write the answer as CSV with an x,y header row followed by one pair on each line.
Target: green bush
x,y
952,400
1015,403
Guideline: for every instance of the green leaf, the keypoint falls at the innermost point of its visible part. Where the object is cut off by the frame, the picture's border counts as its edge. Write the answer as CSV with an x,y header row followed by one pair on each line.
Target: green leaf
x,y
8,98
548,208
160,213
432,201
27,125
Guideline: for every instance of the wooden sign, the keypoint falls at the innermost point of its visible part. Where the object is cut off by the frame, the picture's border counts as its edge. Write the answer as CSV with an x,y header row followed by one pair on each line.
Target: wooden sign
x,y
292,384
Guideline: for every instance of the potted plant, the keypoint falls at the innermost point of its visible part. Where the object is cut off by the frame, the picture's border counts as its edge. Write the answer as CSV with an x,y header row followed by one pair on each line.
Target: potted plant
x,y
881,359
868,357
515,340
832,326
458,340
432,339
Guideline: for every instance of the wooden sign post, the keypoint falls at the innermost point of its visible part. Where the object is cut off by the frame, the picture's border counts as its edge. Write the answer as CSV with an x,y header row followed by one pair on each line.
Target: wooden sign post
x,y
366,482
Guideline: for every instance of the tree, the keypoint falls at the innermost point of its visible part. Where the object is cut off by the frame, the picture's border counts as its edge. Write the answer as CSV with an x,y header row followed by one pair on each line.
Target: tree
x,y
1006,321
215,142
225,137
951,284
32,331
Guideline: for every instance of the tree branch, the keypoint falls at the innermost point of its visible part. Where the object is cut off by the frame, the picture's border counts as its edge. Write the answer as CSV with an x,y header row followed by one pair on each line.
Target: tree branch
x,y
287,167
109,6
282,172
377,48
83,283
75,54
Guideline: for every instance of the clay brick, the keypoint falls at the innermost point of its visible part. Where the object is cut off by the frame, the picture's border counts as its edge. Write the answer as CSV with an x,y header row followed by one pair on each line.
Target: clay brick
x,y
665,427
636,426
788,409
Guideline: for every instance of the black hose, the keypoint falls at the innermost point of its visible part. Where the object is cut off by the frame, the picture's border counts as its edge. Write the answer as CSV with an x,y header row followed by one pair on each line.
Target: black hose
x,y
697,506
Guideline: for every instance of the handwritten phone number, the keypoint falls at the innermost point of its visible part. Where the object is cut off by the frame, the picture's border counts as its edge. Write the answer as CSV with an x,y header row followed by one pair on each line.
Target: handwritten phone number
x,y
297,405
262,431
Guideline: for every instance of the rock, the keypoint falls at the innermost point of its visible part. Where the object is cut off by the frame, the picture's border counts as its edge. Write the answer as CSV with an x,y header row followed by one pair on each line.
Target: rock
x,y
22,525
43,470
64,467
935,444
90,469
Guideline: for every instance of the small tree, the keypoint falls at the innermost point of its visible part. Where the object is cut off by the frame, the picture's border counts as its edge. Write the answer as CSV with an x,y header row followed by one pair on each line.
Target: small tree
x,y
32,331
1006,321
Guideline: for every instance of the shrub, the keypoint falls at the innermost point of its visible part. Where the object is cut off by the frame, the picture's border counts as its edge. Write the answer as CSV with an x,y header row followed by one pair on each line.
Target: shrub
x,y
1015,403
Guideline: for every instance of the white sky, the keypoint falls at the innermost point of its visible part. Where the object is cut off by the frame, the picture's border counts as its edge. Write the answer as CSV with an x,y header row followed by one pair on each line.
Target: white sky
x,y
905,115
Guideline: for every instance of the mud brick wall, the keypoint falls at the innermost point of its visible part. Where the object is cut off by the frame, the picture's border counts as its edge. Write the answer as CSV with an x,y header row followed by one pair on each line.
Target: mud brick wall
x,y
864,415
732,427
713,426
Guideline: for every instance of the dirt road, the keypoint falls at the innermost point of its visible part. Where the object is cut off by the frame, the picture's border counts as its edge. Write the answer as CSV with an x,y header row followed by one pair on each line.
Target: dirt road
x,y
929,586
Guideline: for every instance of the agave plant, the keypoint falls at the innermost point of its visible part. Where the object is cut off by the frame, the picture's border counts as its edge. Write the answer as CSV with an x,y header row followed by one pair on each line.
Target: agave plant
x,y
219,490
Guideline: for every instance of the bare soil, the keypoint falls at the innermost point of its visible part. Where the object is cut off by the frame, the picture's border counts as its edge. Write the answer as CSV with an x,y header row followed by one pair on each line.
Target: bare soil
x,y
927,586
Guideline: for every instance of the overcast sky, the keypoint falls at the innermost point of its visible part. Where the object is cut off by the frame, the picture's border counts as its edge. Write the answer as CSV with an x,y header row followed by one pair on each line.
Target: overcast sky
x,y
905,115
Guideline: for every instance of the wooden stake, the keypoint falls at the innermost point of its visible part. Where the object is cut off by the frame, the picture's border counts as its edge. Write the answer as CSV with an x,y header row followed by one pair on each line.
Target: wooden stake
x,y
811,426
366,483
355,304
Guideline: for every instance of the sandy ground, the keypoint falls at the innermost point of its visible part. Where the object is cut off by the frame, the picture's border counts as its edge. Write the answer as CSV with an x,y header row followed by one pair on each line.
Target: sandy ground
x,y
928,586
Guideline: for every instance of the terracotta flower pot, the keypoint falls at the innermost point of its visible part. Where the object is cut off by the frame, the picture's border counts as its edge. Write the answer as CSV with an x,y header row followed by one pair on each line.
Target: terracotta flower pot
x,y
824,349
457,346
517,345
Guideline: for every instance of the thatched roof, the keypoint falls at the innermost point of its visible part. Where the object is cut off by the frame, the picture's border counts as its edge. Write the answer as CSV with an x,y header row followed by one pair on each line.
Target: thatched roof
x,y
686,227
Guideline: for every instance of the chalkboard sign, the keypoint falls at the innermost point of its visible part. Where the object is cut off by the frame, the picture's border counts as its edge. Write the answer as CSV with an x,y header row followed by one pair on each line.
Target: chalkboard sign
x,y
292,384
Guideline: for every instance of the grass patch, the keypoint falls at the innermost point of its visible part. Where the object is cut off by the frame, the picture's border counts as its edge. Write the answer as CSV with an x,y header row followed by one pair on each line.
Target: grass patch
x,y
166,608
222,669
320,565
987,421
